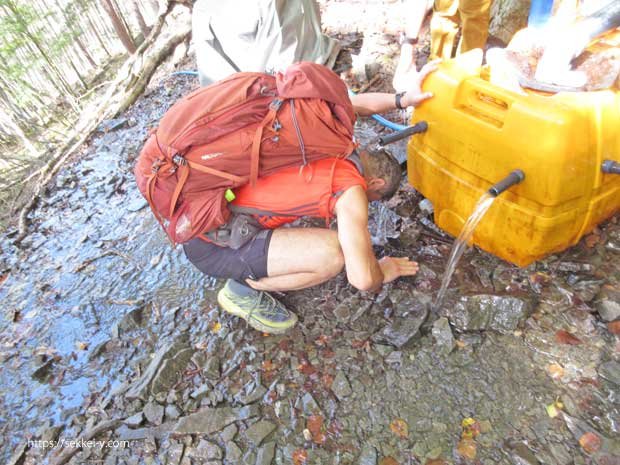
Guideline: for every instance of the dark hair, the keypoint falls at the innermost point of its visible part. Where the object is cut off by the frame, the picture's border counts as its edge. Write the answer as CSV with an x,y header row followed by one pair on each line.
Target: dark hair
x,y
382,164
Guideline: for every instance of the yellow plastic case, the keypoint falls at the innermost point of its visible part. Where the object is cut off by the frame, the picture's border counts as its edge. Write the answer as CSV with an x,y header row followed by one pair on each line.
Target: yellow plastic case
x,y
478,133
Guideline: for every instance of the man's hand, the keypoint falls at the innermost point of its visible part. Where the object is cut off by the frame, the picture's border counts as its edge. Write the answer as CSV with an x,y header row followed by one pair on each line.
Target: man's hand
x,y
395,267
414,95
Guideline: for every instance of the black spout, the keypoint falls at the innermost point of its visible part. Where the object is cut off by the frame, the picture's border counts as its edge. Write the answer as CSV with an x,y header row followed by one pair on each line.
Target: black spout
x,y
513,178
611,167
417,128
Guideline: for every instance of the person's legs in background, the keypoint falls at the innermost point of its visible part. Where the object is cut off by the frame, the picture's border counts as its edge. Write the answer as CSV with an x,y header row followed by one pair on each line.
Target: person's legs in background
x,y
475,15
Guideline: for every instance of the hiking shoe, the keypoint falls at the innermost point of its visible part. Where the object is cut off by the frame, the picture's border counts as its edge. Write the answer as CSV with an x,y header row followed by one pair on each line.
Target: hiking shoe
x,y
259,309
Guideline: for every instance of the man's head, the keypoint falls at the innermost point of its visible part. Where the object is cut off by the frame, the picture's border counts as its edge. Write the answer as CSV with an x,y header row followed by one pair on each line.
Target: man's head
x,y
381,171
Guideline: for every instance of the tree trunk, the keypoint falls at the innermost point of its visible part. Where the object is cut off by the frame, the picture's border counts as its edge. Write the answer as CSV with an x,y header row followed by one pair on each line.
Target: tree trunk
x,y
119,27
8,120
95,30
141,22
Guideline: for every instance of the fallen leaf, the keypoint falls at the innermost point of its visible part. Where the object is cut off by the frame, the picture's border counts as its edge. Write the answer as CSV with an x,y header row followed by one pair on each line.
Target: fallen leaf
x,y
590,442
399,427
614,327
300,457
592,240
564,337
388,461
327,380
438,461
215,326
79,345
322,340
552,410
471,428
306,368
555,371
267,365
3,278
315,425
467,448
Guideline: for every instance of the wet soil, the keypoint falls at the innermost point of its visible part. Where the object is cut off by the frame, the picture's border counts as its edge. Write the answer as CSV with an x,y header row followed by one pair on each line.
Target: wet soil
x,y
103,319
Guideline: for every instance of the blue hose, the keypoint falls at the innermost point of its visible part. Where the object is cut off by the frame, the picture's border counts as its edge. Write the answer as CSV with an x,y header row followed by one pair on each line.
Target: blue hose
x,y
388,124
185,73
378,118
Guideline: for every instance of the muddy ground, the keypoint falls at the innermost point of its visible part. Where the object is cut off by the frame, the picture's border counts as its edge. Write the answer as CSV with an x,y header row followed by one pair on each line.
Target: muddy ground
x,y
102,320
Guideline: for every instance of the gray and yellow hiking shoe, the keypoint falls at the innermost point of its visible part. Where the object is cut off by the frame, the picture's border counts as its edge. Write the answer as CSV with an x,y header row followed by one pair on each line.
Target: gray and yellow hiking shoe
x,y
259,309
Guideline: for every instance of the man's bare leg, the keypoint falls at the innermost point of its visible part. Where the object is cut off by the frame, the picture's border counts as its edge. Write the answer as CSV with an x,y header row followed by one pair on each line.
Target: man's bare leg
x,y
299,258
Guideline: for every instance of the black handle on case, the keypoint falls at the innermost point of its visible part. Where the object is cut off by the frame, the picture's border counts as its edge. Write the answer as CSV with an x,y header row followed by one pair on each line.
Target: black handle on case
x,y
417,128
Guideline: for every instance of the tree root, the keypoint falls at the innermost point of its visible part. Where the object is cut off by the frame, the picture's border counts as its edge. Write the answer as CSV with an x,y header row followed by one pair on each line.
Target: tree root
x,y
129,84
96,430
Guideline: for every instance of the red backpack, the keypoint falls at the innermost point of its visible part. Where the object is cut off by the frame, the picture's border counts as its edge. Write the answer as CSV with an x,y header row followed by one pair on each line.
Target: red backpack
x,y
227,134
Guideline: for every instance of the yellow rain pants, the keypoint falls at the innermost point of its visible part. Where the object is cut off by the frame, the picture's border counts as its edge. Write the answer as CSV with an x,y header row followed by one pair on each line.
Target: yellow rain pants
x,y
472,15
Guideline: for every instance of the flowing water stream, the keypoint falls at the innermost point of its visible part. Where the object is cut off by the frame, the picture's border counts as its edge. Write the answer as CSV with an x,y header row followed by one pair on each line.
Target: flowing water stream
x,y
483,205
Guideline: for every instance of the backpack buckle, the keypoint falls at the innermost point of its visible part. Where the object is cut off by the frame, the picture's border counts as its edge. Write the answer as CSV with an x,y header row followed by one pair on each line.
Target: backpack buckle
x,y
179,160
156,166
276,125
276,104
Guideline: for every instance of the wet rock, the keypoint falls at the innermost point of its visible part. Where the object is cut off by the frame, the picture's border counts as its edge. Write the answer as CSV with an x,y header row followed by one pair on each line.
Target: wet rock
x,y
308,404
368,456
444,340
17,456
608,304
483,311
233,453
154,413
266,454
137,205
343,311
229,433
170,371
250,393
211,420
341,386
172,412
133,319
259,431
560,454
206,451
169,351
43,372
135,420
174,452
520,453
112,124
610,371
157,432
409,315
200,392
395,357
211,368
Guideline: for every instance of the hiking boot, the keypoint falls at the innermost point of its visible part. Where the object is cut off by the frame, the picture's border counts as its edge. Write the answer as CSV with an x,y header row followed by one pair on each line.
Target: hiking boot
x,y
259,309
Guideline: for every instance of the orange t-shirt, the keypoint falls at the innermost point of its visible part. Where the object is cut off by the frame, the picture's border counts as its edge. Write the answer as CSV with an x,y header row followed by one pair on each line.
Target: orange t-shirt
x,y
310,190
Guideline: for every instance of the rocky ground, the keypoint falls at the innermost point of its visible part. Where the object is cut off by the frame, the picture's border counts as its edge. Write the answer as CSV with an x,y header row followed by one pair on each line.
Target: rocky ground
x,y
109,334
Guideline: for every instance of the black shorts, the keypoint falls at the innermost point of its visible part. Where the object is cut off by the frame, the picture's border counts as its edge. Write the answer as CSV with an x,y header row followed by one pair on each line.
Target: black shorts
x,y
249,261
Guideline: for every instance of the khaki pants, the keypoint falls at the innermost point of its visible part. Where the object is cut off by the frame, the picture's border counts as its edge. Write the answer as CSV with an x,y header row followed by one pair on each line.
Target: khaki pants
x,y
473,15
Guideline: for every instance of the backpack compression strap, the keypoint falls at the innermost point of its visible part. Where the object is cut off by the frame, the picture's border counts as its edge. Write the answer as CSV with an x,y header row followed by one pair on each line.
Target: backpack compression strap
x,y
258,137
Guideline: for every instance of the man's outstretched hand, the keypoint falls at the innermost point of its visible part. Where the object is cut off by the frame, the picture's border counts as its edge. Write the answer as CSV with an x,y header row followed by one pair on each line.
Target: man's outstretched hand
x,y
395,267
414,95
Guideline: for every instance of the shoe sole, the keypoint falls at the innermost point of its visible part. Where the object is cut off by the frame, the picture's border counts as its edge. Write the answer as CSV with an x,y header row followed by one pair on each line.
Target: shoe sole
x,y
231,308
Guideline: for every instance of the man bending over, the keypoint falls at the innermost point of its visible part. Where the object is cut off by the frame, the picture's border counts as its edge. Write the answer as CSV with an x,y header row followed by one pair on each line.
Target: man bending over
x,y
281,259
